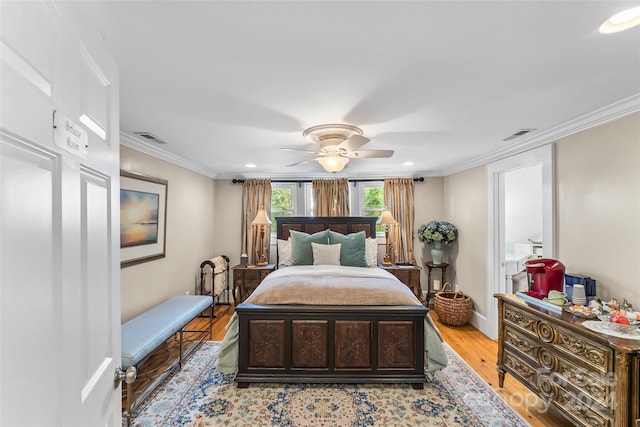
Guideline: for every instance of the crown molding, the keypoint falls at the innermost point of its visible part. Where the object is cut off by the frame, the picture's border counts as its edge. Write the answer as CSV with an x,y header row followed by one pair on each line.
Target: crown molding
x,y
600,116
322,175
146,148
603,115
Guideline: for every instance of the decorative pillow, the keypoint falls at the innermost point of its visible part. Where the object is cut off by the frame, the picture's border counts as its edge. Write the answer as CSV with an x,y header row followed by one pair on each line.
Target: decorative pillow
x,y
352,252
326,254
301,253
371,251
284,252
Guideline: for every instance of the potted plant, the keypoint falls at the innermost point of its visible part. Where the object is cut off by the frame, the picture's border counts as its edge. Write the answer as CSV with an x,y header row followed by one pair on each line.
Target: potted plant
x,y
437,234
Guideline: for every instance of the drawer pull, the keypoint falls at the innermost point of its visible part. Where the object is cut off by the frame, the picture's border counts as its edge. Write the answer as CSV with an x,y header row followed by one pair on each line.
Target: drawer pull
x,y
546,332
546,386
548,360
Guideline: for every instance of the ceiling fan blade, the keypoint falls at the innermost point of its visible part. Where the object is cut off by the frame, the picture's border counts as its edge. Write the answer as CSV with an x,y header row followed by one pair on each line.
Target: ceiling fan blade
x,y
353,142
301,151
302,162
370,154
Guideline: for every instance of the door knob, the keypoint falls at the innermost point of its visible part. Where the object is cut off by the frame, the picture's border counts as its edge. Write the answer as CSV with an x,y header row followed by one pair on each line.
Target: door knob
x,y
129,376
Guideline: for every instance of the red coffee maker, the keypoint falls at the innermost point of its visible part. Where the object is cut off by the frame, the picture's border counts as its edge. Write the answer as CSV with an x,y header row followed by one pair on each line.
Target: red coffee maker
x,y
544,275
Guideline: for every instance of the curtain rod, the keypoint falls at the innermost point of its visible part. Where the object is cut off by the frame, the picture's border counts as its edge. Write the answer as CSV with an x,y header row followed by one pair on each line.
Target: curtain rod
x,y
301,181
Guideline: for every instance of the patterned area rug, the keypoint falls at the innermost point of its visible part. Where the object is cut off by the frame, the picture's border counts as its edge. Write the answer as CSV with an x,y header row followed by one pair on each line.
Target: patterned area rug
x,y
199,396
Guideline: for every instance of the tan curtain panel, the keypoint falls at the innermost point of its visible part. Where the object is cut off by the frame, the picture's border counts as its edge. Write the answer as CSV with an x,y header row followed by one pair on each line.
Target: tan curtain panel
x,y
330,197
398,196
256,194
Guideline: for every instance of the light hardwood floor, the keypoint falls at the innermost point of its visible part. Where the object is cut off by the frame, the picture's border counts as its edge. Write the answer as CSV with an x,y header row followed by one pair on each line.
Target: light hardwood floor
x,y
481,354
474,347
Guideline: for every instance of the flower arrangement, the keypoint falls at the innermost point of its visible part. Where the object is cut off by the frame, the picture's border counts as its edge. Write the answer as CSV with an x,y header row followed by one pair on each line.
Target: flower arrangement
x,y
437,233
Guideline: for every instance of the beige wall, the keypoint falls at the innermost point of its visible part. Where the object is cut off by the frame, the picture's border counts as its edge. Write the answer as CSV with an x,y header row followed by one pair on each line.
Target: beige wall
x,y
465,206
190,235
228,219
597,215
598,206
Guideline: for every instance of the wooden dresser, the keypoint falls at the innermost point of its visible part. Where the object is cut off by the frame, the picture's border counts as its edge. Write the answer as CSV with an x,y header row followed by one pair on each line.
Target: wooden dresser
x,y
591,378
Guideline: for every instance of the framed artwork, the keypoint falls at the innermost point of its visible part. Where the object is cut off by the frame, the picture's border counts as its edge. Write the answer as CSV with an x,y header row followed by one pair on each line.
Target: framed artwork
x,y
143,218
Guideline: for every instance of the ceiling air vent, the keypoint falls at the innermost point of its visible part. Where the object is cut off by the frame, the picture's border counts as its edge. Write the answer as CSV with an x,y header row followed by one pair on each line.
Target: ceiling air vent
x,y
151,137
517,134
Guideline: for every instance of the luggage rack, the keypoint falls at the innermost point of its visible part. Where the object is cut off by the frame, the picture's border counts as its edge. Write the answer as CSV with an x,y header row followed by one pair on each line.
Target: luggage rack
x,y
223,298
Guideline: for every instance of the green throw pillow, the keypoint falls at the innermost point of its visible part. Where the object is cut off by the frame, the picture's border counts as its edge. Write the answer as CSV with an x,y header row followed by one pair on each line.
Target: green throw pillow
x,y
301,252
352,252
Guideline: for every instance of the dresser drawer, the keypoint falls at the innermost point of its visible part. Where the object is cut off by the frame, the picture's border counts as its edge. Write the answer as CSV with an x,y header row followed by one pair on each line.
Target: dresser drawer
x,y
599,388
592,353
582,412
527,373
520,320
586,409
525,346
596,355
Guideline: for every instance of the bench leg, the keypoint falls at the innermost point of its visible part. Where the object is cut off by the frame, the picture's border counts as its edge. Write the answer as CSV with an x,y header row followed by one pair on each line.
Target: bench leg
x,y
211,316
127,414
181,340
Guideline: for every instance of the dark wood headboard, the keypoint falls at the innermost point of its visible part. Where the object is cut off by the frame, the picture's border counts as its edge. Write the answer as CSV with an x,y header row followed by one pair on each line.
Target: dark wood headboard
x,y
313,224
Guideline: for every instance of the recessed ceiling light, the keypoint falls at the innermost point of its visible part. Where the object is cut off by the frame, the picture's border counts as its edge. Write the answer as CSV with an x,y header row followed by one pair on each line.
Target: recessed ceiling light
x,y
408,164
249,165
621,21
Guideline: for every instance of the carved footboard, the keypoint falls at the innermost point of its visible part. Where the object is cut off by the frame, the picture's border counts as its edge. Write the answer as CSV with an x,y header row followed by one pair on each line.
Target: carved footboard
x,y
331,344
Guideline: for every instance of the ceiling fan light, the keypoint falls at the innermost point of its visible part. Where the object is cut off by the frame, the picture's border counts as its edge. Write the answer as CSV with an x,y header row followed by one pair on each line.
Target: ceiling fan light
x,y
333,164
622,21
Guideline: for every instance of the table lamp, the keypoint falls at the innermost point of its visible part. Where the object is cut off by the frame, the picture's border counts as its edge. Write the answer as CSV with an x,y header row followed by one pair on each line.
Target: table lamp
x,y
261,220
387,220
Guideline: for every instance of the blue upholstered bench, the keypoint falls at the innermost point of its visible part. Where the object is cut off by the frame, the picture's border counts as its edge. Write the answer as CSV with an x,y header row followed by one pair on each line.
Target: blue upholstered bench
x,y
144,333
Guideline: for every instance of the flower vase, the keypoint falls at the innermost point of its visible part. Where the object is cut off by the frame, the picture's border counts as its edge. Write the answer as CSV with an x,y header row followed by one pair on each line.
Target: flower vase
x,y
437,253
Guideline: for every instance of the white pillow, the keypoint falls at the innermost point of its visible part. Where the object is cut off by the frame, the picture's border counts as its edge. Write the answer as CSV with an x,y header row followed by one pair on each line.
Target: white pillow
x,y
284,253
371,251
326,254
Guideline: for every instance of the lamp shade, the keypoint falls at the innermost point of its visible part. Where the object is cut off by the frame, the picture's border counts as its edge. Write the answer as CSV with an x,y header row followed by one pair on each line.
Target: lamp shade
x,y
333,163
387,218
261,218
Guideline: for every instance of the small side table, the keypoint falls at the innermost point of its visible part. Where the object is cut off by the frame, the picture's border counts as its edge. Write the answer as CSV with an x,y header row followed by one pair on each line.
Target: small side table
x,y
407,274
246,279
431,293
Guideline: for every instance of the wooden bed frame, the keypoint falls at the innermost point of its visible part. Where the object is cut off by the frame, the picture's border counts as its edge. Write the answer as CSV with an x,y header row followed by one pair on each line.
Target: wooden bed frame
x,y
330,344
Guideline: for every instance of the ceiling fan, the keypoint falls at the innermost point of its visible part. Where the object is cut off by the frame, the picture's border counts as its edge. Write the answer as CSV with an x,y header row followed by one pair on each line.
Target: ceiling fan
x,y
338,144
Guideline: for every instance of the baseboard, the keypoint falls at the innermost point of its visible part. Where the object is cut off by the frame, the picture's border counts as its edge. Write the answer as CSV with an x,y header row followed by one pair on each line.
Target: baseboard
x,y
480,322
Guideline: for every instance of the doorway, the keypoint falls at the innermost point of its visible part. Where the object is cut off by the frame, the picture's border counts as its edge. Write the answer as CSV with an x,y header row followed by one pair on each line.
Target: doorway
x,y
499,175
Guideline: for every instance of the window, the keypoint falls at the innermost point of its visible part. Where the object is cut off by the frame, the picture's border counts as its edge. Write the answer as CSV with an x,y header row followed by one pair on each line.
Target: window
x,y
282,202
290,199
373,201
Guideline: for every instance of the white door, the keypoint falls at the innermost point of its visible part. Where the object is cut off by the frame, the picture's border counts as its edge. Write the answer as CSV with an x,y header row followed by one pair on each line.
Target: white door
x,y
59,221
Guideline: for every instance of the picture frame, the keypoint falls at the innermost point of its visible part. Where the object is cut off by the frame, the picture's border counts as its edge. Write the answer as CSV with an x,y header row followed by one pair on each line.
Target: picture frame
x,y
143,218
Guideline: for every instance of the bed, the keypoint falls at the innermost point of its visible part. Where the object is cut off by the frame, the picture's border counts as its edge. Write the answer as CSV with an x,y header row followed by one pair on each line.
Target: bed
x,y
375,332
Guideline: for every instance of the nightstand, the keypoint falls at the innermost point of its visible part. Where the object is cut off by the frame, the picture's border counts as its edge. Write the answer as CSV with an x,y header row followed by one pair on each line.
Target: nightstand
x,y
246,279
431,290
407,274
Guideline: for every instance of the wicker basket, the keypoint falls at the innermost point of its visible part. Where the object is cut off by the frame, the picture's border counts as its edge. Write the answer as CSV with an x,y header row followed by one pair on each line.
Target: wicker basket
x,y
453,308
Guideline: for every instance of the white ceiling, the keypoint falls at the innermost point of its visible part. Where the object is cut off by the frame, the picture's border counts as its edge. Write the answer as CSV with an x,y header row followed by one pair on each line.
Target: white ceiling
x,y
440,82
